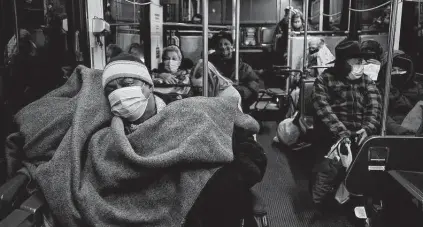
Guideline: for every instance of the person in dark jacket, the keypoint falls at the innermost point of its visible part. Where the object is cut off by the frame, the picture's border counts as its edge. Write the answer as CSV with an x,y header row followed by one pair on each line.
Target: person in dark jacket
x,y
345,99
224,60
112,51
405,93
137,50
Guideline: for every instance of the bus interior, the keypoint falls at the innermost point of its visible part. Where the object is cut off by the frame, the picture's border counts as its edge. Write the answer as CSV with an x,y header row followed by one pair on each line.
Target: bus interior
x,y
53,37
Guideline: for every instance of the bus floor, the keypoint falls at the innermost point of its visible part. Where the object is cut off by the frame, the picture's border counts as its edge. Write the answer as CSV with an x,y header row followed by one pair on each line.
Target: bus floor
x,y
284,188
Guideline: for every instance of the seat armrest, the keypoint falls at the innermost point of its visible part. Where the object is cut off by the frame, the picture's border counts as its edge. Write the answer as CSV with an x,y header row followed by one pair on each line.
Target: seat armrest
x,y
12,193
306,123
34,203
16,218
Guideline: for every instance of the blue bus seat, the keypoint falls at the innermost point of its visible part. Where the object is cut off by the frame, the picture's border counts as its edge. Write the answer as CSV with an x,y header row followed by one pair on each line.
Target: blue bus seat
x,y
306,105
402,153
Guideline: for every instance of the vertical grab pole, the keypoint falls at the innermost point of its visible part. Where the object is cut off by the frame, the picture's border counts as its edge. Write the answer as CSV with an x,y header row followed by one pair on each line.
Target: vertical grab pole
x,y
349,16
288,47
233,19
305,37
321,11
205,48
15,12
238,8
391,42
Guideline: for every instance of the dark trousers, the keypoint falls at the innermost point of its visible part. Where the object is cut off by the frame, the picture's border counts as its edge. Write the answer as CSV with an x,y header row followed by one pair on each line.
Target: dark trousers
x,y
227,197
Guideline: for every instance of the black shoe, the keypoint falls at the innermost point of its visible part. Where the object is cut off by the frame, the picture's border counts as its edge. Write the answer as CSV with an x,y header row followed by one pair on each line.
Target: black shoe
x,y
257,220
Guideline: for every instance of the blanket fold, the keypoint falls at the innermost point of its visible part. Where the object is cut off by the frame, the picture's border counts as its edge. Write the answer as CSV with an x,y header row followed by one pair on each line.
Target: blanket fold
x,y
92,174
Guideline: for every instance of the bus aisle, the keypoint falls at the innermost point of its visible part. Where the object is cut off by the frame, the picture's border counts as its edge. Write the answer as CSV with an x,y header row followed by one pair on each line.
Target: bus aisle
x,y
285,187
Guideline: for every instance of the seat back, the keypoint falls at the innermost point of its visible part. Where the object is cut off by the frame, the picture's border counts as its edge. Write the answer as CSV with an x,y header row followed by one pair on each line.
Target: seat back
x,y
381,38
403,153
297,47
306,90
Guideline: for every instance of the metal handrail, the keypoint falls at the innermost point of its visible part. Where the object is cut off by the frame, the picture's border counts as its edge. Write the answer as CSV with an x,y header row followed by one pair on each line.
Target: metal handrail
x,y
193,31
370,31
391,42
174,24
288,46
237,39
124,24
305,35
15,11
205,47
320,32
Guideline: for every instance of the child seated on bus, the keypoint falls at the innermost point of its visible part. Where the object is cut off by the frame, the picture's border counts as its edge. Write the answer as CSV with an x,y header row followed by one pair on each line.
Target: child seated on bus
x,y
171,72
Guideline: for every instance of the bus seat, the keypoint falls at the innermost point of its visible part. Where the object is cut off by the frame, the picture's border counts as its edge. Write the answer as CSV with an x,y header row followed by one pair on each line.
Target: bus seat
x,y
18,218
34,203
297,47
306,105
13,193
125,38
29,214
400,153
381,38
192,47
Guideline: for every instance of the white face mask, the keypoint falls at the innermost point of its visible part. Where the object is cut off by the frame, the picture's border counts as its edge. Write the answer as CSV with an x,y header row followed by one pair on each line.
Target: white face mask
x,y
372,70
128,102
356,72
172,65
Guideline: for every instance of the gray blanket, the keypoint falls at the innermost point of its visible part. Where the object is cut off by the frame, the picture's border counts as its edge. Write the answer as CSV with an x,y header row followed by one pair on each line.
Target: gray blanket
x,y
92,174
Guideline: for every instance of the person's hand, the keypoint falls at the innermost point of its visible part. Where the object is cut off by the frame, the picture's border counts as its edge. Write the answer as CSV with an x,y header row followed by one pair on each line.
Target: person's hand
x,y
168,78
361,136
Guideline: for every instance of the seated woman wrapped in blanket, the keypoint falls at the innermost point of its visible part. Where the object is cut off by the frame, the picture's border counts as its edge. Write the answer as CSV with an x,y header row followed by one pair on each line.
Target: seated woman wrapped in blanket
x,y
104,151
172,76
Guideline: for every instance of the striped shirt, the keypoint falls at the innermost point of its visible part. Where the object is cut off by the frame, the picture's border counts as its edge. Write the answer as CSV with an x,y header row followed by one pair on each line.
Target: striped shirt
x,y
344,105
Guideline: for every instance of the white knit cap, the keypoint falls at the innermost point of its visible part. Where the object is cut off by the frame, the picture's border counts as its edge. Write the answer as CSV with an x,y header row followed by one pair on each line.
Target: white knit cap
x,y
126,69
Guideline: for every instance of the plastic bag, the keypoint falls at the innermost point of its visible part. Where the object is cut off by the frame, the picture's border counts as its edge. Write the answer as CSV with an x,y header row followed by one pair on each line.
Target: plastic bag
x,y
287,132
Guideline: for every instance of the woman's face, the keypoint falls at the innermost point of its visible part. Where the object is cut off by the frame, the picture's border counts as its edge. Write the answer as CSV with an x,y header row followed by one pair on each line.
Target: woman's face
x,y
171,61
297,23
224,49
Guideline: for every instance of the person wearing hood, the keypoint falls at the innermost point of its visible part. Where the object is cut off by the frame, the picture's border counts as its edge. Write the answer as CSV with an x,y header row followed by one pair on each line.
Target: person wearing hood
x,y
345,99
405,96
171,71
224,61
